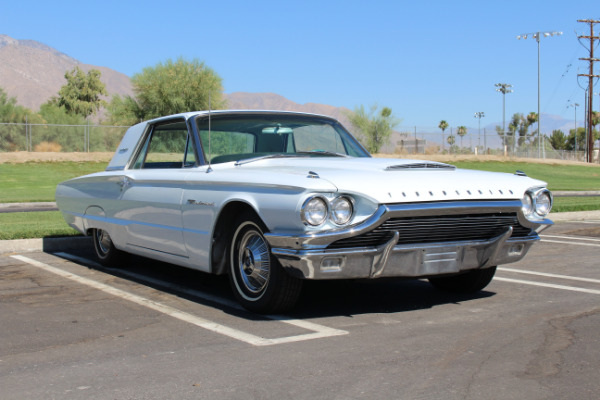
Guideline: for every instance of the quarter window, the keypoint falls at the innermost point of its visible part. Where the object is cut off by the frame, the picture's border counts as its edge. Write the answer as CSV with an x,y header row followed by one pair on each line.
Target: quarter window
x,y
167,145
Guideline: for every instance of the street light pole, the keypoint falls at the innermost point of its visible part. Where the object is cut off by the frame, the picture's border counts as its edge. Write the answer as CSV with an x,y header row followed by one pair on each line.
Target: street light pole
x,y
504,88
575,105
479,115
537,36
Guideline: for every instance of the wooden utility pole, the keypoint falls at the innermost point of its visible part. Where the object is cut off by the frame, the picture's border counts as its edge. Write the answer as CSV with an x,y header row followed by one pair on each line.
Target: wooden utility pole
x,y
591,76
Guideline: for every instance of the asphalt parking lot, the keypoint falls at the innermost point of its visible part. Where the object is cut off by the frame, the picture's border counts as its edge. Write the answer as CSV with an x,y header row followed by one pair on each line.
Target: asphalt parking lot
x,y
70,329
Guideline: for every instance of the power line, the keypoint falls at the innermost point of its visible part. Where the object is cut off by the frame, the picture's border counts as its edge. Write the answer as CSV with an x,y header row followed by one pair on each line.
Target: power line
x,y
591,76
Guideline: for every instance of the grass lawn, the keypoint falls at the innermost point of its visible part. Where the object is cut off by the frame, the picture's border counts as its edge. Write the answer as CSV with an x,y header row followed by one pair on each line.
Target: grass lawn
x,y
36,181
29,225
32,181
558,176
564,204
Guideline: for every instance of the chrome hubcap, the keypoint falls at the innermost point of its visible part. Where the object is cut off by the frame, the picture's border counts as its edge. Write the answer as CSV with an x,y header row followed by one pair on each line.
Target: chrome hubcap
x,y
254,263
103,240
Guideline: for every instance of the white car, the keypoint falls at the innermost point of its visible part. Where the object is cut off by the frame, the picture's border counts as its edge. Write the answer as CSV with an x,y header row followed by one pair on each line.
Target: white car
x,y
272,198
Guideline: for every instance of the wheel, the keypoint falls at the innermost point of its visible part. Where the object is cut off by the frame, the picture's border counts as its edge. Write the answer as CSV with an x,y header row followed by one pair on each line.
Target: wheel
x,y
106,252
469,282
259,282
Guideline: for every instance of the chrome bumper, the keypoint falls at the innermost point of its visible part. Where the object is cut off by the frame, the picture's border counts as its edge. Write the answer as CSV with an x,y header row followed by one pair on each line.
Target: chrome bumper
x,y
391,260
307,256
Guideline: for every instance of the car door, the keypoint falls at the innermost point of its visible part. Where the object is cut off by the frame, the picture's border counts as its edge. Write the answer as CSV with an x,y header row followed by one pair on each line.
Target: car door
x,y
153,188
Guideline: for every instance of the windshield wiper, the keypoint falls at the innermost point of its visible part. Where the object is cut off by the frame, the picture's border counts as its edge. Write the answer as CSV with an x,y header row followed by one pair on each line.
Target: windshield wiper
x,y
322,153
288,155
249,160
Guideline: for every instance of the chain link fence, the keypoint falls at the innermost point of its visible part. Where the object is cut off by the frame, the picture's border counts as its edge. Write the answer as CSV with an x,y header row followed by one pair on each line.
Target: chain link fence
x,y
431,141
60,138
404,141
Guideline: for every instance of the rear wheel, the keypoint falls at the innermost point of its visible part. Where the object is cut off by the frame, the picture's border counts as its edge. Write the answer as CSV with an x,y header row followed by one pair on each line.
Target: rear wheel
x,y
469,282
258,281
106,252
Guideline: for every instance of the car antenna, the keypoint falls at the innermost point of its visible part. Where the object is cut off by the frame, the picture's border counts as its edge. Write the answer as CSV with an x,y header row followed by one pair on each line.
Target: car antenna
x,y
209,169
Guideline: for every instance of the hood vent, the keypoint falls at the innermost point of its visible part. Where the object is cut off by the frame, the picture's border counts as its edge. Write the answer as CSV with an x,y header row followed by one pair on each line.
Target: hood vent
x,y
423,165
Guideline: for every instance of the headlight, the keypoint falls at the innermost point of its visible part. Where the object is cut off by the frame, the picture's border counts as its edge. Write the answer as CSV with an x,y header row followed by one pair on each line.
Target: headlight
x,y
527,204
543,203
315,211
537,203
341,210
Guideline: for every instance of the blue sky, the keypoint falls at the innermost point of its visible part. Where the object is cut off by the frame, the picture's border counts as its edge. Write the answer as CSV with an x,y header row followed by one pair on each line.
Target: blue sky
x,y
427,60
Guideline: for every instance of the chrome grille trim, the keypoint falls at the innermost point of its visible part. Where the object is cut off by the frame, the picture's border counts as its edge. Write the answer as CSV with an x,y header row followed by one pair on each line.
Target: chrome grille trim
x,y
437,229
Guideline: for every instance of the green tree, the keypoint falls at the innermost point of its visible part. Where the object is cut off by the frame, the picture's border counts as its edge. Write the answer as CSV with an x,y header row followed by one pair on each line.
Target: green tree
x,y
506,137
443,126
518,128
461,131
451,140
81,95
581,139
13,135
375,127
168,88
558,140
124,111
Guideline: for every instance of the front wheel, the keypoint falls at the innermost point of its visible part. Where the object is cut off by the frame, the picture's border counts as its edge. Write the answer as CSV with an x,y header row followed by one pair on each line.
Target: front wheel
x,y
258,281
469,282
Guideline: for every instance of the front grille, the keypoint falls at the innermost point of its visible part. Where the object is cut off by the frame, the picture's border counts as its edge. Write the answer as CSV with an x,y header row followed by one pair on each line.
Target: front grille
x,y
437,229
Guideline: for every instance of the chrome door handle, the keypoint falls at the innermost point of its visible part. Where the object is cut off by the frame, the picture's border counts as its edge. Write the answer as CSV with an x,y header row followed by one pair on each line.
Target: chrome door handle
x,y
124,182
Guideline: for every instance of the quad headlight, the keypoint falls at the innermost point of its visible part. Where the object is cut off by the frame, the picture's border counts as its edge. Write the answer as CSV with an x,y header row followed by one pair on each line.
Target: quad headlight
x,y
341,210
317,210
537,203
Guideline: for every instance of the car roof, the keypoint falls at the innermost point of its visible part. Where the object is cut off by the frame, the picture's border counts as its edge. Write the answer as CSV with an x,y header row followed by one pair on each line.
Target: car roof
x,y
191,114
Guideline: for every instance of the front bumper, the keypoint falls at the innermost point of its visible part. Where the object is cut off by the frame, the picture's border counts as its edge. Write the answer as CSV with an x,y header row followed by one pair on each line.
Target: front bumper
x,y
307,256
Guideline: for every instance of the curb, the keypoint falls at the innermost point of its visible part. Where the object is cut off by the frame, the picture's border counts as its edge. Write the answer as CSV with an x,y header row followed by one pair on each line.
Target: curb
x,y
575,216
45,244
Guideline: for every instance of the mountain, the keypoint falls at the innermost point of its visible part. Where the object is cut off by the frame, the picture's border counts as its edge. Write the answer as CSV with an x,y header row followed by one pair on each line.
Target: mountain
x,y
32,72
272,101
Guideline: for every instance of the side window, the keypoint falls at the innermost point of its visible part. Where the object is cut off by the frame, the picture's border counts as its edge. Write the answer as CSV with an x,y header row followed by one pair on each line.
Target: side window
x,y
167,146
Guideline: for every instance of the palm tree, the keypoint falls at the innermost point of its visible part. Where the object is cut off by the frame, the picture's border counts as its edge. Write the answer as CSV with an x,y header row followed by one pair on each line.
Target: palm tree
x,y
461,131
451,141
443,126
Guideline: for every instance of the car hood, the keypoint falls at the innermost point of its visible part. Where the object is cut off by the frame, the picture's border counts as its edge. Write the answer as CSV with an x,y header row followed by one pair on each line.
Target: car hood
x,y
392,180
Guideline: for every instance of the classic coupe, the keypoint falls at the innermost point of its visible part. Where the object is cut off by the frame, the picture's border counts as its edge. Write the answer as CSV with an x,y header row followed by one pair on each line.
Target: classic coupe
x,y
273,198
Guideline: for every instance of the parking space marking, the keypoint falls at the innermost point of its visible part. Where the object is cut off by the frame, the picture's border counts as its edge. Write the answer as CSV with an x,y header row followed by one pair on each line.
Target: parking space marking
x,y
574,243
157,282
572,238
319,331
548,285
572,278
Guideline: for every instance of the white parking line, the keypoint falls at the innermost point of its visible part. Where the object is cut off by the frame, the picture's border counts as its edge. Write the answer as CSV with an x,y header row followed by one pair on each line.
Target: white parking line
x,y
548,285
319,331
574,243
572,278
572,238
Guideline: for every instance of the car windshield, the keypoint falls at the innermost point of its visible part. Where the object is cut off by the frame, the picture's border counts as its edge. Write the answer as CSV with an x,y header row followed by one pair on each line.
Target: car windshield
x,y
247,137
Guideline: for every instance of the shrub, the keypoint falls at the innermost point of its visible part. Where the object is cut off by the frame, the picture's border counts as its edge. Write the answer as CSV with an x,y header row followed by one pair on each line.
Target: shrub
x,y
48,147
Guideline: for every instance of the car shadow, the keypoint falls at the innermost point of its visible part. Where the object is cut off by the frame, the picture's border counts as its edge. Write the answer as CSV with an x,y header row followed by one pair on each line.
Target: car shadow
x,y
319,299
